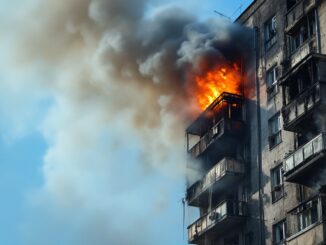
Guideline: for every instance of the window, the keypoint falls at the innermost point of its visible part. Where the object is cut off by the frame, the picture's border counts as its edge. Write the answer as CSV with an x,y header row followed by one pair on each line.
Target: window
x,y
271,81
309,215
279,233
270,33
303,33
277,183
275,130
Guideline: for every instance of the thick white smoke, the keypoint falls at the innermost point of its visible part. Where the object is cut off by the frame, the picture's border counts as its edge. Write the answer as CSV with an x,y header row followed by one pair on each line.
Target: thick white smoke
x,y
116,80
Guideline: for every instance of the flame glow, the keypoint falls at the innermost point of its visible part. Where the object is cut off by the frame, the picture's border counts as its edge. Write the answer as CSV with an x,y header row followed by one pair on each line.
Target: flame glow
x,y
222,78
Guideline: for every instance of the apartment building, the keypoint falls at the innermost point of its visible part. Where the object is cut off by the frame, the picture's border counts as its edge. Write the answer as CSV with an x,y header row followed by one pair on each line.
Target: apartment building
x,y
262,153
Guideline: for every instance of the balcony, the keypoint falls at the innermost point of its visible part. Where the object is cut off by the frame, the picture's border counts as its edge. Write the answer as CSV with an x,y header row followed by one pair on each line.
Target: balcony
x,y
296,14
306,223
306,165
218,130
304,95
220,179
227,215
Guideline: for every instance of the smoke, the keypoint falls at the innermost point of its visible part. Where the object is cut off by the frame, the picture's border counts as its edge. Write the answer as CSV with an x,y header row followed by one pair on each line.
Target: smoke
x,y
118,78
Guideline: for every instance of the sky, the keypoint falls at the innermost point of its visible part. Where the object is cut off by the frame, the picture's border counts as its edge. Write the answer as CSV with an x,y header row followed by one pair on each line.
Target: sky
x,y
81,200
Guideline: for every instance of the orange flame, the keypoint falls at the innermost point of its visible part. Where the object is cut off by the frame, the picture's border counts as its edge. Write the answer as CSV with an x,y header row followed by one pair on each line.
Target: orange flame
x,y
222,78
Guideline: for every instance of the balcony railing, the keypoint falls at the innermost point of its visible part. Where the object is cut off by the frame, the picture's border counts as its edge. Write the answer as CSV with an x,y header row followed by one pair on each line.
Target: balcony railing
x,y
219,129
305,152
301,106
227,166
213,221
297,12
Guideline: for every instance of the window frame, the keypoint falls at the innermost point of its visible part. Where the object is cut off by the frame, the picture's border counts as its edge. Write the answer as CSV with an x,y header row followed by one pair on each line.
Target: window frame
x,y
270,33
272,88
277,187
278,224
273,136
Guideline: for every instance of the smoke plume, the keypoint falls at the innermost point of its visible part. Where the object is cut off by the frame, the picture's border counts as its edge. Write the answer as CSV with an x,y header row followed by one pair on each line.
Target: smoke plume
x,y
117,77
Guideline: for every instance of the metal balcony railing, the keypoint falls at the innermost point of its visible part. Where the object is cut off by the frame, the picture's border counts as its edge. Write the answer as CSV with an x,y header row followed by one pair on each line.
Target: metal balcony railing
x,y
223,167
313,147
297,12
301,105
225,210
216,131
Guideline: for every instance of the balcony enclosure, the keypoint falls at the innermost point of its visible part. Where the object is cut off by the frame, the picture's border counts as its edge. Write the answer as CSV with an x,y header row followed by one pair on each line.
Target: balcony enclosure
x,y
220,179
296,13
306,223
306,165
227,215
304,90
217,131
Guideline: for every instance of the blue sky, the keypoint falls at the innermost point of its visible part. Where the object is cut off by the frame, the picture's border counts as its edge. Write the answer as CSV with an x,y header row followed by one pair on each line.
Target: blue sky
x,y
27,144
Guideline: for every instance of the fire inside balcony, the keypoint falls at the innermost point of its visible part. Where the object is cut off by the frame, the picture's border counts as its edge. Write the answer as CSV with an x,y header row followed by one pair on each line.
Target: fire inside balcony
x,y
220,179
304,91
217,131
306,165
306,223
296,13
227,215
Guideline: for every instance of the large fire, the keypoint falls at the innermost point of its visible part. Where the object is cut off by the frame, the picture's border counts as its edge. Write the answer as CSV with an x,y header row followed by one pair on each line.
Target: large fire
x,y
222,78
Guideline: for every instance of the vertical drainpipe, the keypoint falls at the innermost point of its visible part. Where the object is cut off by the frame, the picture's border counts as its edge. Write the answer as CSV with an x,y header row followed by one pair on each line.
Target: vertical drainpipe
x,y
259,145
317,28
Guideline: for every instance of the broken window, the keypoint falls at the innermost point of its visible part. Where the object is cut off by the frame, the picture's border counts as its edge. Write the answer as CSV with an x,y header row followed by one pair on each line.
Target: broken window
x,y
274,125
279,234
277,183
270,33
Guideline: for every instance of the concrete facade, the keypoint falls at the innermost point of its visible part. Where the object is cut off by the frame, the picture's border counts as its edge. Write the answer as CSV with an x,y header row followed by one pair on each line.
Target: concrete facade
x,y
278,208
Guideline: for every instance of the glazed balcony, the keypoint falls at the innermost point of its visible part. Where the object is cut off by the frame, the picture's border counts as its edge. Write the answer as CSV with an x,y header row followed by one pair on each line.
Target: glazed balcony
x,y
297,13
304,91
306,164
227,215
217,131
306,223
220,179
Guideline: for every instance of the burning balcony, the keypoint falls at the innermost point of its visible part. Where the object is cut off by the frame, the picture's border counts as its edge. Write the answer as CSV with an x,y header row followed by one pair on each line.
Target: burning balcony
x,y
306,223
220,179
307,164
304,90
227,215
217,131
297,13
